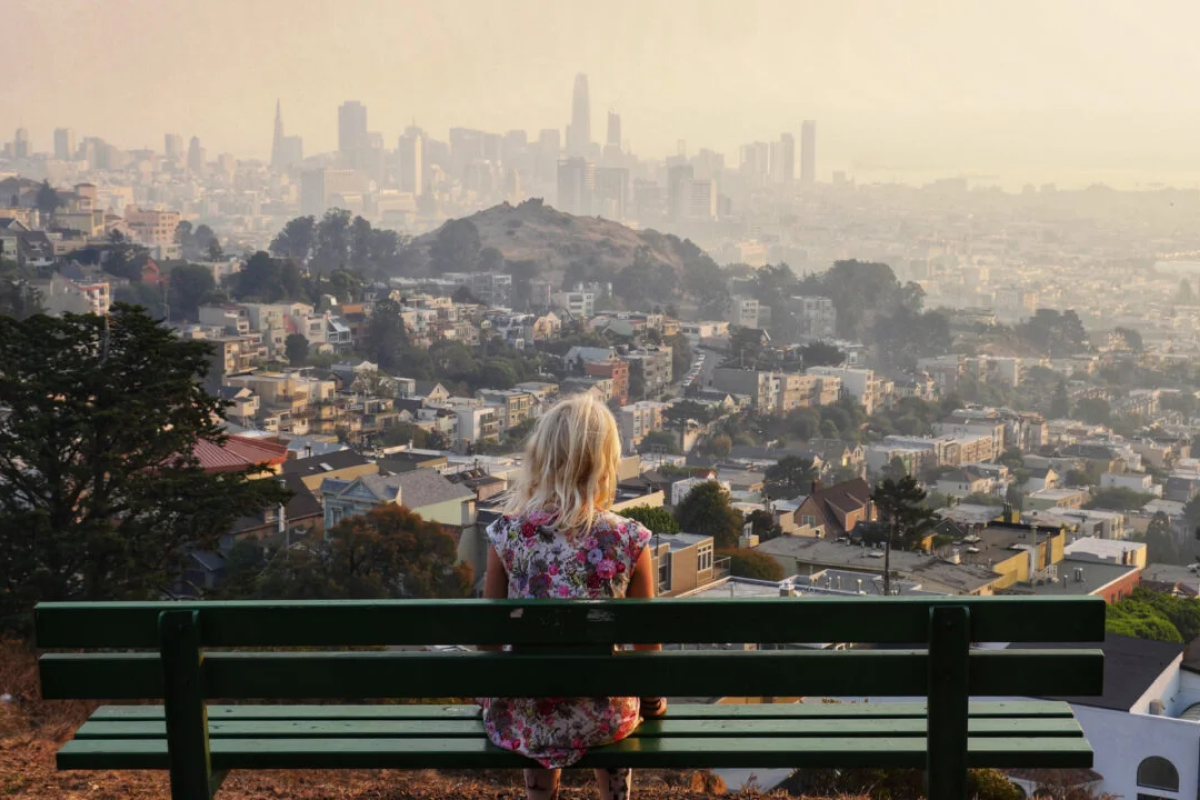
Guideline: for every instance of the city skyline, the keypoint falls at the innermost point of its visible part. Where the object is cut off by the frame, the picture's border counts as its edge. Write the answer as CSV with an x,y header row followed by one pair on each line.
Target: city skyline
x,y
1066,101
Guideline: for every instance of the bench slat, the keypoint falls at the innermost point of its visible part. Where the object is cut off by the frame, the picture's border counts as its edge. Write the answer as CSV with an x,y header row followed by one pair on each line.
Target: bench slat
x,y
362,729
686,673
323,623
981,708
665,752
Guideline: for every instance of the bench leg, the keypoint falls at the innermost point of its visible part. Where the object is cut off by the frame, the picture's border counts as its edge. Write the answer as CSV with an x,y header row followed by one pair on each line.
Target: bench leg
x,y
949,694
183,701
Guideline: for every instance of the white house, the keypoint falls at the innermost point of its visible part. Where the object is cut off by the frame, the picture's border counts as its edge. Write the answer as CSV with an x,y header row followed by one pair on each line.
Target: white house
x,y
1145,728
1135,481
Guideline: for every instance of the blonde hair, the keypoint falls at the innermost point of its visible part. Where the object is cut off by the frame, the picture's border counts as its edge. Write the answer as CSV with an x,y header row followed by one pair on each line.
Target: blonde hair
x,y
571,461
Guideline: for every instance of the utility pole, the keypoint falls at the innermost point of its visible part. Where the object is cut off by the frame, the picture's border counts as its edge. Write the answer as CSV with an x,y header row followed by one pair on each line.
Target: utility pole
x,y
887,555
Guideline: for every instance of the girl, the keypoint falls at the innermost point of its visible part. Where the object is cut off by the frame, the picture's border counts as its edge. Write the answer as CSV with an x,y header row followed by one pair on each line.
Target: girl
x,y
557,539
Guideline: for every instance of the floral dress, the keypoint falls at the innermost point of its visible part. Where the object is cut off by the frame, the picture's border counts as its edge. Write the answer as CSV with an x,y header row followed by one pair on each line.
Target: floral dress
x,y
543,561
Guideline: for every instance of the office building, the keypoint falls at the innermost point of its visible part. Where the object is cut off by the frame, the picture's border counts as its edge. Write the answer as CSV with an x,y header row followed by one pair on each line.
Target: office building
x,y
576,185
197,159
783,169
352,128
64,144
317,186
679,178
549,147
411,157
579,134
286,151
173,146
21,146
808,151
612,192
756,162
614,129
699,199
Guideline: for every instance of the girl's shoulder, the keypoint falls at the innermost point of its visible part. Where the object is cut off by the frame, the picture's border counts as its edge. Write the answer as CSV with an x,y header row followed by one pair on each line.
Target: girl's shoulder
x,y
623,526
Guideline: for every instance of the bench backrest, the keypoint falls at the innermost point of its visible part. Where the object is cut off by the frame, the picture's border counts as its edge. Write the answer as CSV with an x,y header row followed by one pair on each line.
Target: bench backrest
x,y
566,648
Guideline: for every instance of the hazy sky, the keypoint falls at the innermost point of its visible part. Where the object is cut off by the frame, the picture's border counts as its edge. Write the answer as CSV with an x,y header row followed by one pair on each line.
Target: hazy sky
x,y
980,85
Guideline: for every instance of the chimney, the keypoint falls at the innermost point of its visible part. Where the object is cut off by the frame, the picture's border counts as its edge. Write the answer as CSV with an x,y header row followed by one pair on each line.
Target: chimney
x,y
816,486
308,451
786,589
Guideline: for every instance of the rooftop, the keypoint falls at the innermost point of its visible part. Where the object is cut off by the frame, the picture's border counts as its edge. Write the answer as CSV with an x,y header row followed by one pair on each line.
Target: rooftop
x,y
1131,666
1077,577
1091,547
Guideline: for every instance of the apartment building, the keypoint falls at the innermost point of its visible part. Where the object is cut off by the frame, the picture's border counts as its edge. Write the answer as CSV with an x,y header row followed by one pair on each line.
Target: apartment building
x,y
653,367
763,388
685,563
513,406
638,419
60,295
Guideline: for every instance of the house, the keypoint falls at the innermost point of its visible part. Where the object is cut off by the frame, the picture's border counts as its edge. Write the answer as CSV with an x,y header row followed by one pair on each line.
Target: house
x,y
422,491
344,464
963,482
1039,479
1145,728
685,563
240,453
1139,482
432,391
834,511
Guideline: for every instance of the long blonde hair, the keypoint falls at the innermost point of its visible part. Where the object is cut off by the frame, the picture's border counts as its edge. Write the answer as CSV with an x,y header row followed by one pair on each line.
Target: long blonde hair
x,y
571,461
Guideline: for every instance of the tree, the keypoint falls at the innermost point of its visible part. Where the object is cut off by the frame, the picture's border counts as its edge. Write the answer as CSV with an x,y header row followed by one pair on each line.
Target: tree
x,y
260,279
215,253
386,336
184,237
18,299
1133,339
1161,544
189,283
389,552
202,239
1118,499
720,445
901,504
1093,411
659,439
333,236
101,493
681,355
296,239
657,520
1014,496
456,247
751,564
789,477
763,525
296,347
745,346
490,260
706,511
821,354
1060,405
48,200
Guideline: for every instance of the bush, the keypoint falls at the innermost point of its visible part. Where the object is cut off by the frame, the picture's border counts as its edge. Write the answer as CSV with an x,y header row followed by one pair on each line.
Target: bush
x,y
749,564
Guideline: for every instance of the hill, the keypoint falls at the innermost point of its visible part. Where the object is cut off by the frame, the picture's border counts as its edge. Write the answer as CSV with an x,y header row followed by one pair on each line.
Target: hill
x,y
534,231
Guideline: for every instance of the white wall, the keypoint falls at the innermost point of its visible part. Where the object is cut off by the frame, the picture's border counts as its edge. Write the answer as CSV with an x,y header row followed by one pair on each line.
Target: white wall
x,y
1122,741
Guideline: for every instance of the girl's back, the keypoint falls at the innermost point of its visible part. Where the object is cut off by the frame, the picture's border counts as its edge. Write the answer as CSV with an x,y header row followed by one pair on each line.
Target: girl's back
x,y
543,561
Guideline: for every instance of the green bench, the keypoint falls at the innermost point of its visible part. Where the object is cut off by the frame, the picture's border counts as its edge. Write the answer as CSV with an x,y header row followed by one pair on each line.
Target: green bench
x,y
187,654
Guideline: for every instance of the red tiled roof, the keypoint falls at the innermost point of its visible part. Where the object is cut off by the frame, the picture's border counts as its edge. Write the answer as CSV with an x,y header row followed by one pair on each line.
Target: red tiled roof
x,y
238,453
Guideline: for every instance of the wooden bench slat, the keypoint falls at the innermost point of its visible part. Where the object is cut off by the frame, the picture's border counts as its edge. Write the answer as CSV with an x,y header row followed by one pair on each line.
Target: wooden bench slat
x,y
980,708
688,673
895,620
664,752
321,729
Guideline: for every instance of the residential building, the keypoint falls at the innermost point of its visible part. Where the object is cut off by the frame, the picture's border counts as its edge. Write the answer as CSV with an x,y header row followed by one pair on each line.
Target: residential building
x,y
963,482
1139,482
513,406
685,563
422,491
636,420
763,388
834,511
60,295
745,312
651,367
861,384
816,316
1109,550
1145,728
478,423
311,471
579,304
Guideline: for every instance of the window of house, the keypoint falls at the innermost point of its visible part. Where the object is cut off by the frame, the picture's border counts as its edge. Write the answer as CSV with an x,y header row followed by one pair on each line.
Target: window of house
x,y
1156,772
704,558
808,520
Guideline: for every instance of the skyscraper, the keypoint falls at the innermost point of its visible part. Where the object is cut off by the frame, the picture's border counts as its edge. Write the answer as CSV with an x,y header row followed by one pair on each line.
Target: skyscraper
x,y
614,129
277,140
64,144
808,151
196,159
679,180
21,143
173,146
412,162
786,171
549,148
352,127
576,185
579,134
